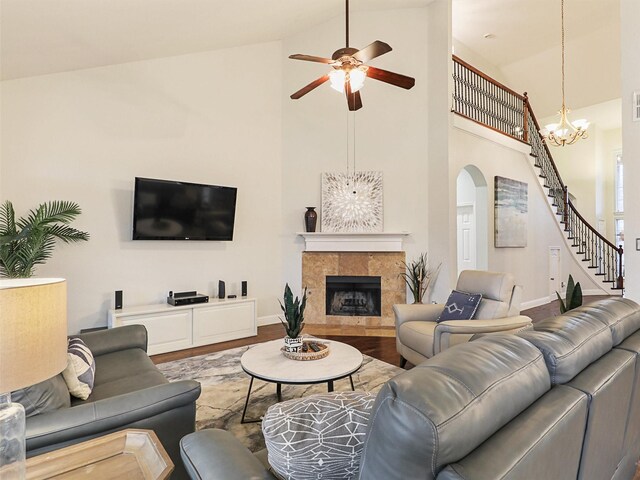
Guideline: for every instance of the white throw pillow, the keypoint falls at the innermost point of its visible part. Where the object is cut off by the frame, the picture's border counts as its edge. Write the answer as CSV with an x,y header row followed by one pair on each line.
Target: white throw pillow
x,y
318,437
81,369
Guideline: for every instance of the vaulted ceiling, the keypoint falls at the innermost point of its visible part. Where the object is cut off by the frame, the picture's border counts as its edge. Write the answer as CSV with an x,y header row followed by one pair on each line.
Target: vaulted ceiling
x,y
48,36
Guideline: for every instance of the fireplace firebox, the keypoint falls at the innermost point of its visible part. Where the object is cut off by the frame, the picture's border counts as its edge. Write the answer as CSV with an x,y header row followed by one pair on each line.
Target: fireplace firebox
x,y
359,296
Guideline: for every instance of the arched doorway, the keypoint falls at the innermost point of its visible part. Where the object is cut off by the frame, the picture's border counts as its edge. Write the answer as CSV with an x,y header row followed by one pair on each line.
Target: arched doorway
x,y
472,219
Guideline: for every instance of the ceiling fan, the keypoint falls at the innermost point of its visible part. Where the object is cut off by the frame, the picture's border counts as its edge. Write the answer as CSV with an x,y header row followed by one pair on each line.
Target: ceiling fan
x,y
349,70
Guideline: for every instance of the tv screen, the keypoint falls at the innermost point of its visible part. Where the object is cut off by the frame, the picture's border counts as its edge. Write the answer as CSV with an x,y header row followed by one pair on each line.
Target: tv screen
x,y
170,210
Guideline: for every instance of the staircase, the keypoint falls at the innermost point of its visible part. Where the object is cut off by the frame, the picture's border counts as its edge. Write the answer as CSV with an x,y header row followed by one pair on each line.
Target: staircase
x,y
483,100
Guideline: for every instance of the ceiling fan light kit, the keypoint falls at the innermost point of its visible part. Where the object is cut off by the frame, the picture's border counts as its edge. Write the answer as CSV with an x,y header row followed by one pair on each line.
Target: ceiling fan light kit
x,y
349,70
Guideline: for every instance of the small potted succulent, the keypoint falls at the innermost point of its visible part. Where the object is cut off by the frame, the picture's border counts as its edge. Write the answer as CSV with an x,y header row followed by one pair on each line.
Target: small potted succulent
x,y
293,321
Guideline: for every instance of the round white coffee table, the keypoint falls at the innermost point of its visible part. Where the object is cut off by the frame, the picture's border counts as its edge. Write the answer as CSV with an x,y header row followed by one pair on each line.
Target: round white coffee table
x,y
266,362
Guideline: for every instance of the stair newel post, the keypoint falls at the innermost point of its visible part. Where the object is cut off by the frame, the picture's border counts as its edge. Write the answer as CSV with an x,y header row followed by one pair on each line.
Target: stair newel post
x,y
525,131
620,279
565,210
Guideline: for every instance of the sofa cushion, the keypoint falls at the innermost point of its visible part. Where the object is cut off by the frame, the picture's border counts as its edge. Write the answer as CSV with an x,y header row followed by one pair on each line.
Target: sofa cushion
x,y
318,437
123,372
460,306
418,336
620,314
81,369
52,394
569,342
452,403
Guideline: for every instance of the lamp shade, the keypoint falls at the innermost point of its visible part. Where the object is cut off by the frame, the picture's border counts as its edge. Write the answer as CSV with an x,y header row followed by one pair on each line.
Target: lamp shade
x,y
33,331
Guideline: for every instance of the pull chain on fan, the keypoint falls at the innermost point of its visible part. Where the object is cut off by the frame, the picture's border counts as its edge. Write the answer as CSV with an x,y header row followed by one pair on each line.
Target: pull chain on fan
x,y
349,70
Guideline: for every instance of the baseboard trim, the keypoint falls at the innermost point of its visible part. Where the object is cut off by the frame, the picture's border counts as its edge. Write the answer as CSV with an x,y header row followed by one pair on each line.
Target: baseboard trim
x,y
544,300
534,303
268,320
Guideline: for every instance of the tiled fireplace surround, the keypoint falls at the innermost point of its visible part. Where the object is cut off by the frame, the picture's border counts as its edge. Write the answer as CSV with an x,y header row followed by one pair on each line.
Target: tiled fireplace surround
x,y
317,265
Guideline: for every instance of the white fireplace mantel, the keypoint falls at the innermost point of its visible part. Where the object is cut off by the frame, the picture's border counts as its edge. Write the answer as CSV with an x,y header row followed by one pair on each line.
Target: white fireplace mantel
x,y
353,242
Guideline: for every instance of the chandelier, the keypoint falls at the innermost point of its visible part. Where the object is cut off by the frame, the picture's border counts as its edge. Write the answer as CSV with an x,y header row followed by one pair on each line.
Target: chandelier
x,y
565,132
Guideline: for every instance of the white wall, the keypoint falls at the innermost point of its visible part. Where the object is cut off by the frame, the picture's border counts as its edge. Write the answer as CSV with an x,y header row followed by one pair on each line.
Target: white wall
x,y
210,117
529,264
390,130
592,72
629,14
466,53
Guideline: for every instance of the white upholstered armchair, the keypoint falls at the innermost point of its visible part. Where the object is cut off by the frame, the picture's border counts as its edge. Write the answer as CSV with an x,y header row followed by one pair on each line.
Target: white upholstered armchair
x,y
419,336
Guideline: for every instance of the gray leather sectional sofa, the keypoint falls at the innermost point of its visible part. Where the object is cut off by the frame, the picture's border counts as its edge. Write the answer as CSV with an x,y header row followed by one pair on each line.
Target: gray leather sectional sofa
x,y
129,392
558,402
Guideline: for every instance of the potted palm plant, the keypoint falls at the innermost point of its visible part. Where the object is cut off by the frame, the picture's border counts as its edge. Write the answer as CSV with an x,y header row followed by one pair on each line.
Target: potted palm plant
x,y
418,276
29,240
293,320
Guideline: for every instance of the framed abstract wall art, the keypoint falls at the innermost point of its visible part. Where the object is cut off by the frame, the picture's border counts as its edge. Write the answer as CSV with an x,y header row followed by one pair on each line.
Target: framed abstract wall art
x,y
352,202
511,213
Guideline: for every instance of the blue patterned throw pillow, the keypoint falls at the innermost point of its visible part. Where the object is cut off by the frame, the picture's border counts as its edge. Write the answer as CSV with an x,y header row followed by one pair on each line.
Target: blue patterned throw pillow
x,y
460,306
81,369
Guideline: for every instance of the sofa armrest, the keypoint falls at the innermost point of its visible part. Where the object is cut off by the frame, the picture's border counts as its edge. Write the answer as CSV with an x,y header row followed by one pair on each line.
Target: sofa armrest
x,y
115,339
217,455
484,326
423,312
108,414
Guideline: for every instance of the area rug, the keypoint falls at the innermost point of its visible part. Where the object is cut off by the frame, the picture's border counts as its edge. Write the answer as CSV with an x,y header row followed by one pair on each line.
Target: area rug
x,y
225,384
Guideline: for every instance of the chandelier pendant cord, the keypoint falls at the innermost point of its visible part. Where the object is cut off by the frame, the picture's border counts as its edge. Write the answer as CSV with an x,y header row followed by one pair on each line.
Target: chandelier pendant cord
x,y
562,35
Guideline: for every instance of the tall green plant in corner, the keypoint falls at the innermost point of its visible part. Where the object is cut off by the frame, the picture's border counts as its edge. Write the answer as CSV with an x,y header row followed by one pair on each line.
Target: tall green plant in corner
x,y
418,276
29,241
573,296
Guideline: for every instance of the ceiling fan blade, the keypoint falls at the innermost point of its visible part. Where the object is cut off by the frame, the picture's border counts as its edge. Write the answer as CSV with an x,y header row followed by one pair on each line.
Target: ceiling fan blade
x,y
391,78
304,90
373,50
353,99
310,58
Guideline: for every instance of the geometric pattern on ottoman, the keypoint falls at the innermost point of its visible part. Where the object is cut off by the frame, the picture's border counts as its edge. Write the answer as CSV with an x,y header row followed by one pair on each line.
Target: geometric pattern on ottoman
x,y
317,437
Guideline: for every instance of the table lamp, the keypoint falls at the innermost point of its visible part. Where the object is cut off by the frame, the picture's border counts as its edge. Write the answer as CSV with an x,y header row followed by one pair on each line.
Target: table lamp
x,y
33,348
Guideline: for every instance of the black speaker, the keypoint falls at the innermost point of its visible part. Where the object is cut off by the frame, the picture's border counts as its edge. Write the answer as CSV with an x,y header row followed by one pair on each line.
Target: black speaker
x,y
221,292
244,288
118,299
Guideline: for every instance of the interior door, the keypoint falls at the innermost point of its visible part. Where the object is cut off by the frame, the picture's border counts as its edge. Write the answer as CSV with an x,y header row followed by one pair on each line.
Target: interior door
x,y
466,237
554,272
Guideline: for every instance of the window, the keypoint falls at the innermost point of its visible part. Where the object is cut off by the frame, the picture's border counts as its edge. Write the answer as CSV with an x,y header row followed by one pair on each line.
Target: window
x,y
618,184
619,224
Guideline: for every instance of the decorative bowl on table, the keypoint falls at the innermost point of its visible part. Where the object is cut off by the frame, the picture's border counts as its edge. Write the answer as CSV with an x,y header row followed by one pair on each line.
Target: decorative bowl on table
x,y
311,350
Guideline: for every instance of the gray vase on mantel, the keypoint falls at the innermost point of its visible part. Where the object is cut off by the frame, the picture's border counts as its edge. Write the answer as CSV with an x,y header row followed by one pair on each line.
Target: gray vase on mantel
x,y
310,219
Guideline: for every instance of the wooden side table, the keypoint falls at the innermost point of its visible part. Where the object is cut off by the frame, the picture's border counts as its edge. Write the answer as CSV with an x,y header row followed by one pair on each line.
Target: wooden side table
x,y
131,454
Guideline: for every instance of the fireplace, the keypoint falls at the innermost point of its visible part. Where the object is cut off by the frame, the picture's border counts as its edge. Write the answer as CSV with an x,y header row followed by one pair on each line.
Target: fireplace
x,y
320,268
359,296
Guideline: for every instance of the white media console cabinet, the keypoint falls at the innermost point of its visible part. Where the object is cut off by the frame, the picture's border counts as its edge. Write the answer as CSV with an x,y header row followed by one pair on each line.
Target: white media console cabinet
x,y
176,328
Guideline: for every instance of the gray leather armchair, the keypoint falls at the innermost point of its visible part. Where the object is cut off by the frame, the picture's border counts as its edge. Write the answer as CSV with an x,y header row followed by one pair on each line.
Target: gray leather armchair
x,y
419,336
129,392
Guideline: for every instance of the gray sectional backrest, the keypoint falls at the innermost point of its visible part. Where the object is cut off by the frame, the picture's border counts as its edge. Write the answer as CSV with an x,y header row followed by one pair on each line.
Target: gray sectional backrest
x,y
561,401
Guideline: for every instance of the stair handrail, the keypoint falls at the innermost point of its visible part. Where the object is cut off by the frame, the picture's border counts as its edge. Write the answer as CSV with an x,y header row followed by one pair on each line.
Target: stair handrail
x,y
546,147
525,133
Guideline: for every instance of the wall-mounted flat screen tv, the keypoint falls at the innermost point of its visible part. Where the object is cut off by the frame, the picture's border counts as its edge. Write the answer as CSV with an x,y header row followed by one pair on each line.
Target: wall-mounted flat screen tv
x,y
171,210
